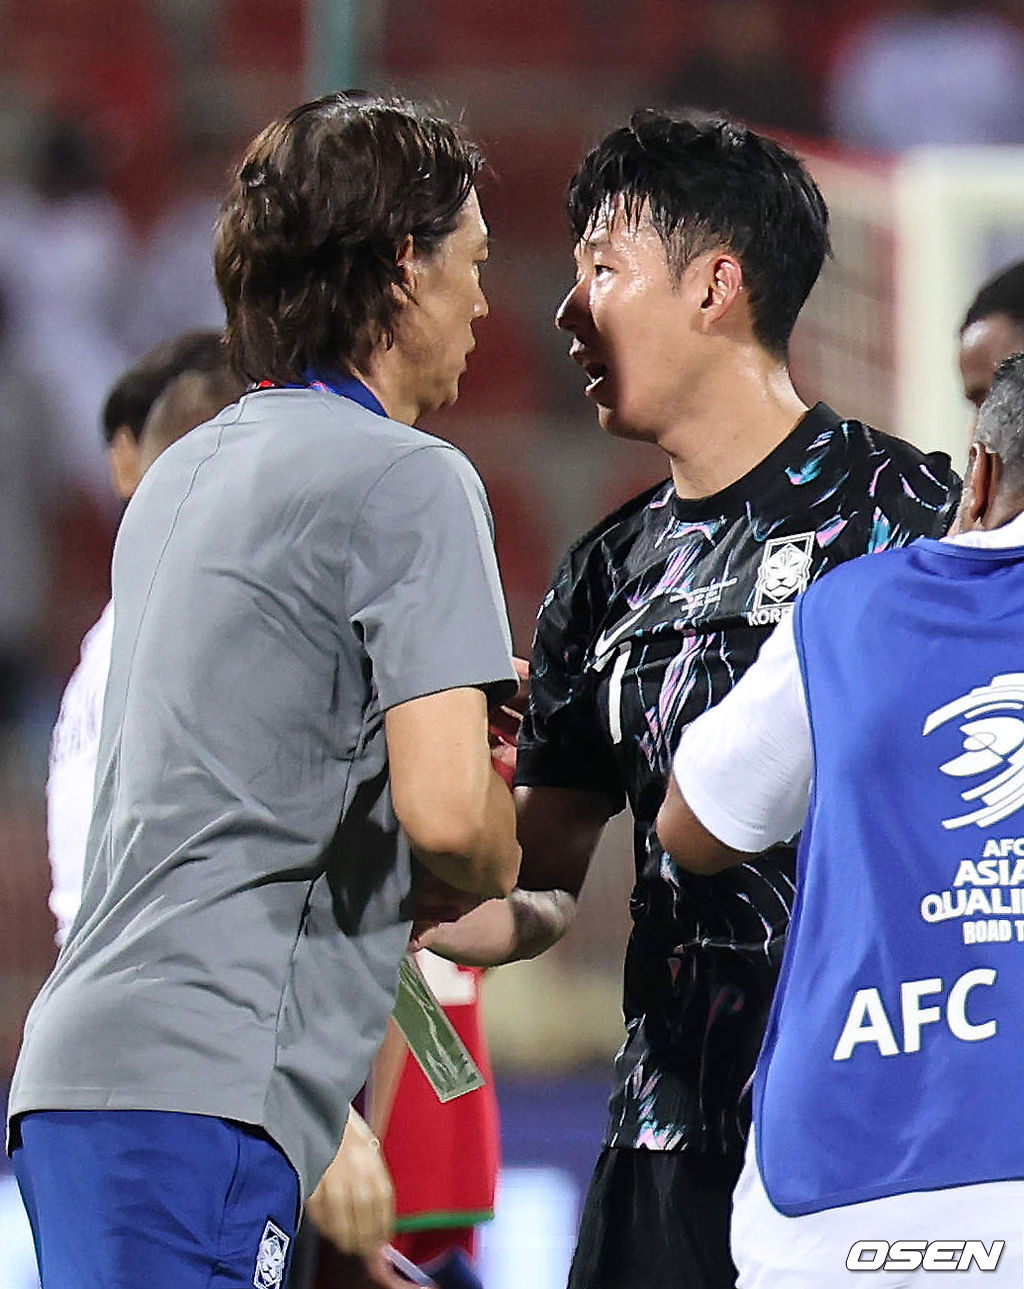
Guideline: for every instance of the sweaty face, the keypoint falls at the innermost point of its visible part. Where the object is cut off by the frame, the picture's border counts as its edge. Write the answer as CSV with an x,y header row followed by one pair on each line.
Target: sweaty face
x,y
632,326
983,346
448,300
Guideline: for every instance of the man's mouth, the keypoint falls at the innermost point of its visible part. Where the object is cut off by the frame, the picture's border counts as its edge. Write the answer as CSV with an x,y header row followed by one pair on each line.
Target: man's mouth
x,y
596,373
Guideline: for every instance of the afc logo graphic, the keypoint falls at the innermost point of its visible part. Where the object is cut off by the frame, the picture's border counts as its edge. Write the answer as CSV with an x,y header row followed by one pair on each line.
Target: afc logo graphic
x,y
784,572
993,740
271,1257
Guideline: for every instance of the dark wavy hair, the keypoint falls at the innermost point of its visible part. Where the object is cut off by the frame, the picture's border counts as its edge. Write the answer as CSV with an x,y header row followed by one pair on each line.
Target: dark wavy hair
x,y
711,182
308,237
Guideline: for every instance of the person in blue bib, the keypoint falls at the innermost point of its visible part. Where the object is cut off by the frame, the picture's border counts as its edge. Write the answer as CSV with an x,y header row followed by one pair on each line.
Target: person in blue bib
x,y
885,717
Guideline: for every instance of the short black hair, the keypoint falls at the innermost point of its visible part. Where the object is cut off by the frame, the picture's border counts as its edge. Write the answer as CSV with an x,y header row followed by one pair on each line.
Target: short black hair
x,y
188,401
708,182
307,245
1003,293
1000,424
130,400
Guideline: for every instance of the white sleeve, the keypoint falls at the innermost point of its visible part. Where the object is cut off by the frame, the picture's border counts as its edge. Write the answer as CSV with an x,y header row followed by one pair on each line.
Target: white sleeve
x,y
744,767
74,750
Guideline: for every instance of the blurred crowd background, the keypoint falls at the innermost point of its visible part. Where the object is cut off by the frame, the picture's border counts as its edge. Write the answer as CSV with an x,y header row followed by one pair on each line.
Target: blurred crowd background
x,y
118,122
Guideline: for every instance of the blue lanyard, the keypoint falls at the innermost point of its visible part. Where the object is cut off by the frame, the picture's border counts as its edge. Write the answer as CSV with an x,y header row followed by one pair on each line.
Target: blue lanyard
x,y
343,386
348,387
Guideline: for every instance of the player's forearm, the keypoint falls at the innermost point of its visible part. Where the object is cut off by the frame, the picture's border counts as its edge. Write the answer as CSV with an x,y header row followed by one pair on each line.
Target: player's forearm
x,y
509,930
475,848
686,839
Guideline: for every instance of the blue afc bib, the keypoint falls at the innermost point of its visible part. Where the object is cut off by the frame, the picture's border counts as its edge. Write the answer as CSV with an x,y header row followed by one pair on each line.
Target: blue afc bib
x,y
894,1050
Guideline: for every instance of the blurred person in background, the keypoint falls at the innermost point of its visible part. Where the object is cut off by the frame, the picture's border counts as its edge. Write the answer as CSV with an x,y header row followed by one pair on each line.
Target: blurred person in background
x,y
168,392
863,1096
30,481
173,284
929,71
64,258
443,1157
309,627
698,241
992,329
746,67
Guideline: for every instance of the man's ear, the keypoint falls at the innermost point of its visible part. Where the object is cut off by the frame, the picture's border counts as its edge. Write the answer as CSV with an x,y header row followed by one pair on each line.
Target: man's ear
x,y
980,486
723,284
406,261
125,463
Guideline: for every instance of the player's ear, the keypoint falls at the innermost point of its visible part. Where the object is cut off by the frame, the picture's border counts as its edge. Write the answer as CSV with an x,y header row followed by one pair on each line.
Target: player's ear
x,y
723,285
125,464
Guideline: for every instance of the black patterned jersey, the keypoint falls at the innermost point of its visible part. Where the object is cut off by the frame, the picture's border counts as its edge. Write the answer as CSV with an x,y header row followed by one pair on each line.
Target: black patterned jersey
x,y
652,618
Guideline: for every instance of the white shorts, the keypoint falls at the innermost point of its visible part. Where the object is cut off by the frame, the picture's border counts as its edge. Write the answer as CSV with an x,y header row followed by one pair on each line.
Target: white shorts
x,y
772,1251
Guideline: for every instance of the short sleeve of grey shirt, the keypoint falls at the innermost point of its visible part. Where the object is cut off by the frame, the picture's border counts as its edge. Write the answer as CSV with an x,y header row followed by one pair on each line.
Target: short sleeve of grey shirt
x,y
420,541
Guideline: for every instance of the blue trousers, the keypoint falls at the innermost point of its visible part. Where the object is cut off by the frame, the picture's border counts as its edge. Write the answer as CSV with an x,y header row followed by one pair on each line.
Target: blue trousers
x,y
144,1199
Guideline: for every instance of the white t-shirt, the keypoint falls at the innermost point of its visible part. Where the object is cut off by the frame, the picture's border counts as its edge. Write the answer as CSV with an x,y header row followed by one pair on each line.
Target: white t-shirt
x,y
762,724
73,753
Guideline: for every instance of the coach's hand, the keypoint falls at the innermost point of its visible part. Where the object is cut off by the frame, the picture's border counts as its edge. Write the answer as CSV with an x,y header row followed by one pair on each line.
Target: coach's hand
x,y
354,1204
434,901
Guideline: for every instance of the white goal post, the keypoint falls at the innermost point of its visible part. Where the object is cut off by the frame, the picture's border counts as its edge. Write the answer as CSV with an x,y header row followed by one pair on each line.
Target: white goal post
x,y
914,237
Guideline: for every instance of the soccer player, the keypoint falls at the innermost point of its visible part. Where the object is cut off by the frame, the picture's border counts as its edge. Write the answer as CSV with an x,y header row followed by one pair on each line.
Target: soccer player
x,y
992,329
308,629
880,1095
134,439
697,242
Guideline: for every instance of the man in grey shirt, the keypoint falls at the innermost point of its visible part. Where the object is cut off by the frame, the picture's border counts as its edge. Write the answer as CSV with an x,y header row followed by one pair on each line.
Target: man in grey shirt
x,y
308,630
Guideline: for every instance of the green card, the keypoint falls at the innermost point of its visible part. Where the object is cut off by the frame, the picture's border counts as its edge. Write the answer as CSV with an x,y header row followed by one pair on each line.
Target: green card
x,y
440,1053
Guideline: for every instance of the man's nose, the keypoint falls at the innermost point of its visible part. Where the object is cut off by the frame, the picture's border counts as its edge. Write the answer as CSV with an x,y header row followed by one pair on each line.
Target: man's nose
x,y
570,311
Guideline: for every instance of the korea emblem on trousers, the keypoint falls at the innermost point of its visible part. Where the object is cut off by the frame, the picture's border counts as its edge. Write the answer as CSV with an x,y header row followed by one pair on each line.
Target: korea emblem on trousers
x,y
271,1258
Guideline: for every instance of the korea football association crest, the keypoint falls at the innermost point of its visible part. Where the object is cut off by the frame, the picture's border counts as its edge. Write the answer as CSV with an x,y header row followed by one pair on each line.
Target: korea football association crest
x,y
271,1257
993,740
784,572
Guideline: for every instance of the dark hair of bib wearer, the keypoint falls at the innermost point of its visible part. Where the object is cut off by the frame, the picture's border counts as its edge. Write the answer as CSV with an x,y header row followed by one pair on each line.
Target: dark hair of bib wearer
x,y
307,244
1000,424
1003,293
708,182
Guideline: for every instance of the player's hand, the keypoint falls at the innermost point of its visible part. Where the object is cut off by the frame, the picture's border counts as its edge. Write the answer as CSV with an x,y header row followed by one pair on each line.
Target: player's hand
x,y
434,901
486,937
354,1204
504,722
503,758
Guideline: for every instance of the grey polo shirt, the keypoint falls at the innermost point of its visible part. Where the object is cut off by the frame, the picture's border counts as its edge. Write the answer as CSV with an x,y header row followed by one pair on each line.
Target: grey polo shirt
x,y
284,575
